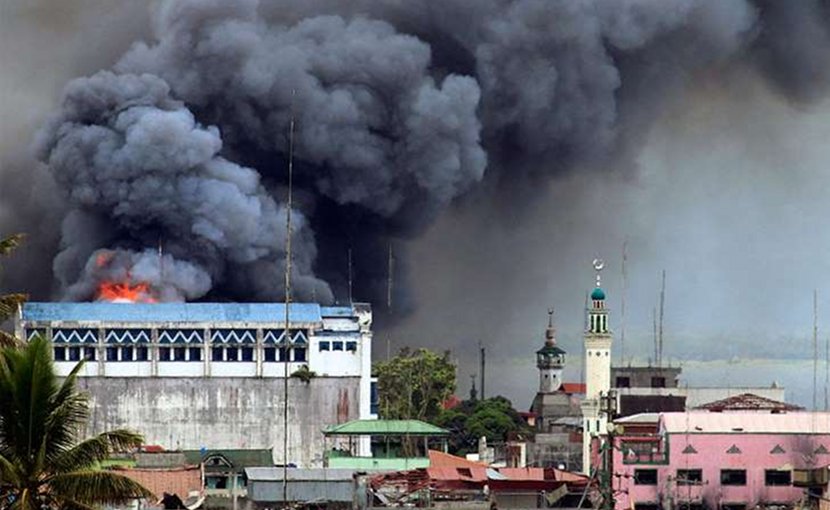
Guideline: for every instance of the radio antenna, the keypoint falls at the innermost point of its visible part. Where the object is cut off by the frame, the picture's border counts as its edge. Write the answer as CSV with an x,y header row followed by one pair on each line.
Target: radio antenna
x,y
286,332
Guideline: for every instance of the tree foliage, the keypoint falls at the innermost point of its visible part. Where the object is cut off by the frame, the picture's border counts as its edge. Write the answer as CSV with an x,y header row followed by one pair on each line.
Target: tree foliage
x,y
493,418
414,384
42,463
9,302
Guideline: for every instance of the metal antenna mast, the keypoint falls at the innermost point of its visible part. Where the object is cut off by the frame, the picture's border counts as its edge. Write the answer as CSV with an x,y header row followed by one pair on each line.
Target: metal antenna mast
x,y
286,331
815,347
660,337
622,307
351,300
391,271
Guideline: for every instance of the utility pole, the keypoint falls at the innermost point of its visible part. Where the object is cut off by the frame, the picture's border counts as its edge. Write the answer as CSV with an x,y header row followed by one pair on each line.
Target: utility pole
x,y
622,307
608,406
483,364
662,303
287,331
815,348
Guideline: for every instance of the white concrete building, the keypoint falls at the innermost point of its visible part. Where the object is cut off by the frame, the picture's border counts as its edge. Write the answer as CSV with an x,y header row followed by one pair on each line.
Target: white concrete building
x,y
210,375
597,370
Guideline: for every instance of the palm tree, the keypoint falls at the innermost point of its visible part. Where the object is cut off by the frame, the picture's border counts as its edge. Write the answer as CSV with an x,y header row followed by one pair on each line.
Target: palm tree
x,y
9,302
42,465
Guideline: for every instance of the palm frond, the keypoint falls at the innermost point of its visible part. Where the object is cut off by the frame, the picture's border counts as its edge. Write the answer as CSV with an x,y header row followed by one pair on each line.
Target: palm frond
x,y
97,449
9,304
90,487
9,340
8,244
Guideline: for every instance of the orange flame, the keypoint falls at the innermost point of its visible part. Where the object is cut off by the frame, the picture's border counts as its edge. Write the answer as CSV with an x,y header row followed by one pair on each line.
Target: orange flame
x,y
123,292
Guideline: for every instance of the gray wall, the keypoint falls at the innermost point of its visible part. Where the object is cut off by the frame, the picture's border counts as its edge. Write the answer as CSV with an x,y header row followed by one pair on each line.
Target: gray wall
x,y
224,413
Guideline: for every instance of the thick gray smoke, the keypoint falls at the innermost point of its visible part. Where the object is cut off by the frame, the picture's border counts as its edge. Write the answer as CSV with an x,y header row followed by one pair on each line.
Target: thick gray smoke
x,y
400,109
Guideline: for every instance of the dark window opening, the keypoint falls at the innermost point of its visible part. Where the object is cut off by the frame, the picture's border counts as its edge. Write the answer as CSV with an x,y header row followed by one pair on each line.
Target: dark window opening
x,y
195,354
351,346
127,353
141,354
645,477
689,477
299,354
270,354
325,346
777,477
164,353
60,353
283,354
231,354
733,477
216,354
89,353
623,382
74,354
112,353
646,506
658,382
337,346
247,354
179,353
733,506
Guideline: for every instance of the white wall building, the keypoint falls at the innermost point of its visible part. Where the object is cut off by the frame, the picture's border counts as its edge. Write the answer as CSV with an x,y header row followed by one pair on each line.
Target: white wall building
x,y
210,375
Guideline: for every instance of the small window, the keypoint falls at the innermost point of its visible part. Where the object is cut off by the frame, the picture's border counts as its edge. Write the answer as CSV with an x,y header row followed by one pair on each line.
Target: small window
x,y
270,354
60,353
216,354
733,477
164,353
247,354
112,353
658,382
231,353
689,477
337,346
734,506
127,353
179,353
74,354
773,477
623,382
195,354
141,354
325,346
645,477
351,346
299,353
89,353
283,354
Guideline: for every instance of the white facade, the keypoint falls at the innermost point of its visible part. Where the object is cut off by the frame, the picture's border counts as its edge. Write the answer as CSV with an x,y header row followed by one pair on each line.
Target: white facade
x,y
187,342
598,341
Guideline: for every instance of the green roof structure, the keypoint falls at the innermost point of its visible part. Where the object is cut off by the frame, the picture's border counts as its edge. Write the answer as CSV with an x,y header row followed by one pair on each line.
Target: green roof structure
x,y
385,428
598,294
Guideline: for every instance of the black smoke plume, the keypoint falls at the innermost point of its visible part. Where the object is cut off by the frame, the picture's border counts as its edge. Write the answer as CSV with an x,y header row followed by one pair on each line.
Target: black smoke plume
x,y
400,107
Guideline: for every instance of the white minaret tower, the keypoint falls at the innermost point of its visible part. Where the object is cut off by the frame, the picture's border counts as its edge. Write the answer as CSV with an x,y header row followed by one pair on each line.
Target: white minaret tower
x,y
597,369
550,360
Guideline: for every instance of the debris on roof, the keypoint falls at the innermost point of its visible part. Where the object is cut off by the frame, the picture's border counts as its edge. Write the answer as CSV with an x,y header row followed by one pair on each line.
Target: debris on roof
x,y
749,402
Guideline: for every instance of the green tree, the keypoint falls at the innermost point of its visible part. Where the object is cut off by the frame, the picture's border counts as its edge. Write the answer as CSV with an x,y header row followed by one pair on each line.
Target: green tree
x,y
414,384
9,302
493,418
42,464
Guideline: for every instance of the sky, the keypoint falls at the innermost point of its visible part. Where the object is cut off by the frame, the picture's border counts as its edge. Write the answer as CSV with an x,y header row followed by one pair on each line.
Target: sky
x,y
727,194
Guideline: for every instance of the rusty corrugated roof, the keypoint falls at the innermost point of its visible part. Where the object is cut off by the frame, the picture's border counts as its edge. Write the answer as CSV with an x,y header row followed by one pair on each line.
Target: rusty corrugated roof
x,y
749,402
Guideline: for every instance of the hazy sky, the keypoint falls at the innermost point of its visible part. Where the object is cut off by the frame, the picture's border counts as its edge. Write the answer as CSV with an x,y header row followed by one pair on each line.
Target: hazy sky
x,y
728,195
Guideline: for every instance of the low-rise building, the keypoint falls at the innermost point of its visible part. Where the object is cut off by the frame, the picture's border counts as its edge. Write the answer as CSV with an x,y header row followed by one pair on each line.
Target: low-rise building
x,y
734,460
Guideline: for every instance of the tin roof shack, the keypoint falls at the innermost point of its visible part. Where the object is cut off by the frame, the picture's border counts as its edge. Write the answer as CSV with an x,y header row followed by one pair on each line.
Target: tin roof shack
x,y
224,473
728,459
329,488
395,444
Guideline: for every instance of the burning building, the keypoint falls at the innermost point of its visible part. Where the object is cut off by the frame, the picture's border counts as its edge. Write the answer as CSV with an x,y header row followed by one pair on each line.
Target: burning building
x,y
210,375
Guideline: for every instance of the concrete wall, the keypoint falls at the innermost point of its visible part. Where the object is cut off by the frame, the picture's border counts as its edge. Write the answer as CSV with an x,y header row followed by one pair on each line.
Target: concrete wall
x,y
224,413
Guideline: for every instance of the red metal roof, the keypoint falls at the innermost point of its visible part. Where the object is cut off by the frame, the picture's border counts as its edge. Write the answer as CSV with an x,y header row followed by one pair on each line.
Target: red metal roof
x,y
573,388
441,459
179,481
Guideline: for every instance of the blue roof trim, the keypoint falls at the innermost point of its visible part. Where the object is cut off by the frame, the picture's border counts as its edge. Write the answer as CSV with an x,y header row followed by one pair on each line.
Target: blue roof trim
x,y
337,311
172,312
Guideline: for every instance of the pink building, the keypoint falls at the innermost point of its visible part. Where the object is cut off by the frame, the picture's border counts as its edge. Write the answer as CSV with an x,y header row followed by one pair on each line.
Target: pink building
x,y
717,460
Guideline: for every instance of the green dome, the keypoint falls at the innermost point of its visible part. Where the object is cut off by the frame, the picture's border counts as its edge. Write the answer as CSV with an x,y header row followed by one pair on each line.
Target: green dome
x,y
598,294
